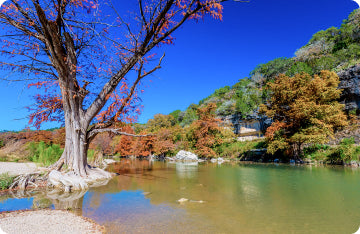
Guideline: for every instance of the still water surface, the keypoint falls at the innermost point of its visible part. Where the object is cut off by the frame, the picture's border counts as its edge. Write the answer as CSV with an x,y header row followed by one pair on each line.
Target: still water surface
x,y
238,198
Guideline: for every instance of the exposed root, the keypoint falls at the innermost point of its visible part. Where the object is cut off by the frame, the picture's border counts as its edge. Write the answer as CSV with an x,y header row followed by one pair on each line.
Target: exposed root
x,y
97,174
67,181
70,181
23,181
58,165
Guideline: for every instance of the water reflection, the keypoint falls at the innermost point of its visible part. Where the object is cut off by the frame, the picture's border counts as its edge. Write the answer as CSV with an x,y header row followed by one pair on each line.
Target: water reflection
x,y
187,169
240,198
41,199
131,166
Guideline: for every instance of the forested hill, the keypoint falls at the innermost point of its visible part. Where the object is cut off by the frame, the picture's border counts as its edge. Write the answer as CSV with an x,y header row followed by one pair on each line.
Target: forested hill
x,y
335,49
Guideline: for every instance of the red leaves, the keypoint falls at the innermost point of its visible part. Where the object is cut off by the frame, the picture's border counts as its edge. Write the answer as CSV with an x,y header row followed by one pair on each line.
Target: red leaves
x,y
86,46
206,132
274,128
47,108
125,145
121,108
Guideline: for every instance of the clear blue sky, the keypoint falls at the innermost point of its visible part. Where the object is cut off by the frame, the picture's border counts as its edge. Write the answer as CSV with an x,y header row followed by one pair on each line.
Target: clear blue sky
x,y
212,54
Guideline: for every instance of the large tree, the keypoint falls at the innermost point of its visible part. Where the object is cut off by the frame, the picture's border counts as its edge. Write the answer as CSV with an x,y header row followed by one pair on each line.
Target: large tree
x,y
304,109
90,57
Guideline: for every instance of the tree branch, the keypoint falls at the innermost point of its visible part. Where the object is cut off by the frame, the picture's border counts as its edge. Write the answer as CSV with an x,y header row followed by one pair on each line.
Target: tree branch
x,y
92,133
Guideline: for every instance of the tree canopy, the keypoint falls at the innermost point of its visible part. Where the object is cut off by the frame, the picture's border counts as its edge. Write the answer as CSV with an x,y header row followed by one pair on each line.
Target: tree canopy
x,y
304,109
89,57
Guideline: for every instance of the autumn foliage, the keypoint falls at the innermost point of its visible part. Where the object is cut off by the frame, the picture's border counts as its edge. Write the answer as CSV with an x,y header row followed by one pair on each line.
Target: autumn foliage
x,y
304,110
125,144
205,133
89,59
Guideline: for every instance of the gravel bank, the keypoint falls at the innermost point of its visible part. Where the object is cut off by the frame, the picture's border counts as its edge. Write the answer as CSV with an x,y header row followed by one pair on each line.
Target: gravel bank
x,y
14,168
47,221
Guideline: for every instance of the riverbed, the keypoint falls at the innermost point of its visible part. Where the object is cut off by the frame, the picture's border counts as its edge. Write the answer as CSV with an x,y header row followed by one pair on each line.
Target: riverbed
x,y
218,198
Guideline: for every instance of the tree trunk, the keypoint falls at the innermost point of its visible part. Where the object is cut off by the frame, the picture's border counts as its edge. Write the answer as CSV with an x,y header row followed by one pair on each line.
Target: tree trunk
x,y
75,151
74,156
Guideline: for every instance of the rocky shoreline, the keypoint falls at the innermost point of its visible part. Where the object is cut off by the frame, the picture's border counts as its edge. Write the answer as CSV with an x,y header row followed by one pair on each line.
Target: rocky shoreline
x,y
47,221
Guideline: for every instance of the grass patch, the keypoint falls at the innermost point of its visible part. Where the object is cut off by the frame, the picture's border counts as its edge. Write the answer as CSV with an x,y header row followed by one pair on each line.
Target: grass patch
x,y
91,155
317,152
3,159
44,154
345,152
5,181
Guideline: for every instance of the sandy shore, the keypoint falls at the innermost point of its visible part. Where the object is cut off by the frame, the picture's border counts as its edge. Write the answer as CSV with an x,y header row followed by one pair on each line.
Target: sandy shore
x,y
41,221
14,168
46,221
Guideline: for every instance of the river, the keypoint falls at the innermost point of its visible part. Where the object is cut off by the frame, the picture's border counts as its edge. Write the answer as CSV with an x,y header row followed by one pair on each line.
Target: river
x,y
226,198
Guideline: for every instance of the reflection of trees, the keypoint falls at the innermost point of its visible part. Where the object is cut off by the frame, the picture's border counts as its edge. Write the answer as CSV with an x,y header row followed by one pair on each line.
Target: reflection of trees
x,y
187,169
130,166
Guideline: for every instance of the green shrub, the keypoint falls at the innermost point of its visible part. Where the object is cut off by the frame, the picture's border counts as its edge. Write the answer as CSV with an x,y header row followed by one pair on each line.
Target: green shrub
x,y
235,149
43,153
299,67
317,152
345,152
5,181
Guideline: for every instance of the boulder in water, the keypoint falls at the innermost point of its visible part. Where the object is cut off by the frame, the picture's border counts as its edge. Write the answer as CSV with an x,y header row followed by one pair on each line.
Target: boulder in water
x,y
186,156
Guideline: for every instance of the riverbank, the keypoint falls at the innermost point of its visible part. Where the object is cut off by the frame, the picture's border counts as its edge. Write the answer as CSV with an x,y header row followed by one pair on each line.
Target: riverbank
x,y
47,221
14,168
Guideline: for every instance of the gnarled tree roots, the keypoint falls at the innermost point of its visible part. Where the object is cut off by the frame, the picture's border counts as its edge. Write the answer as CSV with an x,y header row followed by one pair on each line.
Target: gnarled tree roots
x,y
70,181
31,179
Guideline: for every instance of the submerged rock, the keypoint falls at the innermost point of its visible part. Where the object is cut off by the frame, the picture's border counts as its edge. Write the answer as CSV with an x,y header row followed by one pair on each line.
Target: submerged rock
x,y
220,160
182,200
200,201
186,156
109,161
217,160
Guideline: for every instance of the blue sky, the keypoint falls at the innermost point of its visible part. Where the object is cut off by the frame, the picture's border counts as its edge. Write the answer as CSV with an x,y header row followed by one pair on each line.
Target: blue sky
x,y
211,54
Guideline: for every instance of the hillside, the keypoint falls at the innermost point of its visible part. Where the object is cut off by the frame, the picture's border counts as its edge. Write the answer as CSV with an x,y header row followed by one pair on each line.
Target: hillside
x,y
335,49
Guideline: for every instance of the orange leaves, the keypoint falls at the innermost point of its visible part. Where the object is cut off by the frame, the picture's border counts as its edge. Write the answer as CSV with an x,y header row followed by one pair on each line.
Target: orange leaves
x,y
304,109
93,44
274,128
205,133
125,144
177,13
209,7
121,108
47,108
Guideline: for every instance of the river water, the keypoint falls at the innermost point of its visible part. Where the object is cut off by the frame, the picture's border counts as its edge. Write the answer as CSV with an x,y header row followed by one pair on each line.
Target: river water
x,y
226,198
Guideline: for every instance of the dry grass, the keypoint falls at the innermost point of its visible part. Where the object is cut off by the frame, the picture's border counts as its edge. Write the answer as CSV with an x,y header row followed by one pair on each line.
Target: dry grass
x,y
15,151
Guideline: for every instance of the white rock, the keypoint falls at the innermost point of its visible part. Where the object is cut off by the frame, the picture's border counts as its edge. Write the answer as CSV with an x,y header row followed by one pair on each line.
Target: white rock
x,y
109,161
183,155
182,200
220,160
